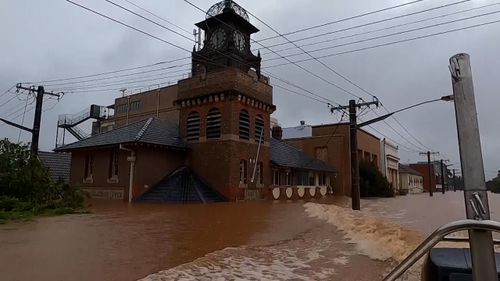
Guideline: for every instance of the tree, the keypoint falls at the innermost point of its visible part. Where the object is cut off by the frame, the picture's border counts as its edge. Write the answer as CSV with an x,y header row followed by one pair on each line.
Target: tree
x,y
25,184
372,182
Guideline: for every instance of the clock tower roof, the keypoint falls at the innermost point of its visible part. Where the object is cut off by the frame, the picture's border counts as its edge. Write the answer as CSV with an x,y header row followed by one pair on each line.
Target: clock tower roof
x,y
227,11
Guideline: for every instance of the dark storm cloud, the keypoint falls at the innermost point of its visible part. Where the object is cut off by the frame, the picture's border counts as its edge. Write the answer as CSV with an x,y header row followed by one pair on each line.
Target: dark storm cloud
x,y
67,41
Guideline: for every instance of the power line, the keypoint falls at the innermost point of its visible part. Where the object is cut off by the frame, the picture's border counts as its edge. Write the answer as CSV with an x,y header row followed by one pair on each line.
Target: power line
x,y
115,83
129,26
390,34
108,72
22,122
139,30
118,76
326,66
322,63
375,30
394,42
371,23
347,19
9,100
147,19
299,66
157,16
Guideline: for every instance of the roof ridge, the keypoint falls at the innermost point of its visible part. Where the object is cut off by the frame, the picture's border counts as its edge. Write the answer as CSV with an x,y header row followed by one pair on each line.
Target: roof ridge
x,y
143,129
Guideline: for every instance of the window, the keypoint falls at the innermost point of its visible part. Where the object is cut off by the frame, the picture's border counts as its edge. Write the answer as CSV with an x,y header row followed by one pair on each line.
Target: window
x,y
213,124
304,178
88,166
322,179
276,177
243,171
135,105
120,108
259,128
193,126
289,178
367,156
321,153
312,179
244,125
259,173
113,165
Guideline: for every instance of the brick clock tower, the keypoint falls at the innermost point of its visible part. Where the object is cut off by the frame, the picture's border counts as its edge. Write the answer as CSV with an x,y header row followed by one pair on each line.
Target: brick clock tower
x,y
225,107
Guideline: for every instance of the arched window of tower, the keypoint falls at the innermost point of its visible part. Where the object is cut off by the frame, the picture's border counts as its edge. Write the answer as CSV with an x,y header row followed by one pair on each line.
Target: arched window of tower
x,y
193,126
244,125
214,124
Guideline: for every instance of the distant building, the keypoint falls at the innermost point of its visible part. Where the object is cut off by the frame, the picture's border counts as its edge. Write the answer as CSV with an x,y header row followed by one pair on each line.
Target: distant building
x,y
330,143
207,135
411,181
301,131
390,163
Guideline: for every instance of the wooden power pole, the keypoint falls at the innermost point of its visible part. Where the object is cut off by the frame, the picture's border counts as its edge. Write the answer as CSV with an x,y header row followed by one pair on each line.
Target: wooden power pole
x,y
353,138
476,197
35,131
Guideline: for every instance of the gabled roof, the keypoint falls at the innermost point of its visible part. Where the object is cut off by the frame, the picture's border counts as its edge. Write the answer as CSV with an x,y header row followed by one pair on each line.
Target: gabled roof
x,y
57,164
285,155
405,169
150,131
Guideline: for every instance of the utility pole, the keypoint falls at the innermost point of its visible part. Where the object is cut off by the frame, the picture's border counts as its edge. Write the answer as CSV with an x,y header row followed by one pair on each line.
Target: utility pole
x,y
443,170
476,196
431,169
35,131
454,182
353,137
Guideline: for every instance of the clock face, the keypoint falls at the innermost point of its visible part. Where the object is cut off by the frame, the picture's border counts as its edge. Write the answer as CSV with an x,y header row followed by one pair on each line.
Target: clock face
x,y
218,39
239,41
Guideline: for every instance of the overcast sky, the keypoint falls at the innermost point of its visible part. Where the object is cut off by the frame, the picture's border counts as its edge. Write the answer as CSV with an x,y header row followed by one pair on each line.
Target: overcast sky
x,y
45,40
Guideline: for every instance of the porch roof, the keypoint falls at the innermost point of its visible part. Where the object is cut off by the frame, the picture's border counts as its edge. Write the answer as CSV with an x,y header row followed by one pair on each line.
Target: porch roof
x,y
149,131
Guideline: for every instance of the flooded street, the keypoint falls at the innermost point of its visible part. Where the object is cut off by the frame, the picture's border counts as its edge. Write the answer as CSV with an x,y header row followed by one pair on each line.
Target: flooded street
x,y
230,241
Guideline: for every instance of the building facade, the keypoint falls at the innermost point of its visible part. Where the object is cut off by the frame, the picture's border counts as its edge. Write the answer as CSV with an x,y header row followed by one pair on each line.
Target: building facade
x,y
331,144
213,127
390,163
411,181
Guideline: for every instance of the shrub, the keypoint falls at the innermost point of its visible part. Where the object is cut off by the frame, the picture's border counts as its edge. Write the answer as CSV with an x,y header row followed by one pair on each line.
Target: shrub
x,y
26,188
372,182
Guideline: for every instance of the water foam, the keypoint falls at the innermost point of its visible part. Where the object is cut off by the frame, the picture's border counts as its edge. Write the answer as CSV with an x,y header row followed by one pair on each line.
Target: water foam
x,y
280,262
371,236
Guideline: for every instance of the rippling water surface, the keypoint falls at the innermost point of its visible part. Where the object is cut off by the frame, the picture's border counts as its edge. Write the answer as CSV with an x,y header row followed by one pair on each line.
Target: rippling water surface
x,y
233,241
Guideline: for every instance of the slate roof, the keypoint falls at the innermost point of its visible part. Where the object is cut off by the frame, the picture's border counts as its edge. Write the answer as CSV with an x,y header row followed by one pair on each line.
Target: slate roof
x,y
57,164
405,169
285,155
150,131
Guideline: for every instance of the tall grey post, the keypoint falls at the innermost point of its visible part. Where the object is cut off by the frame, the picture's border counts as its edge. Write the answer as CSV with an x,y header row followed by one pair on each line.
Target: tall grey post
x,y
476,197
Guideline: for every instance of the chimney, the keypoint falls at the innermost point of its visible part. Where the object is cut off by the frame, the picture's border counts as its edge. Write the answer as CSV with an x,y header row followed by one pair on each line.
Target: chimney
x,y
302,122
277,132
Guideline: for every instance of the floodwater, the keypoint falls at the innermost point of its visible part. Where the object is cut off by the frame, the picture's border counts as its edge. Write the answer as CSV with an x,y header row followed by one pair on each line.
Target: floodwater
x,y
229,241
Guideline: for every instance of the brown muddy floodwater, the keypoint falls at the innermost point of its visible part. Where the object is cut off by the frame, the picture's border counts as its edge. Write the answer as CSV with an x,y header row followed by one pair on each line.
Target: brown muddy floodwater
x,y
230,241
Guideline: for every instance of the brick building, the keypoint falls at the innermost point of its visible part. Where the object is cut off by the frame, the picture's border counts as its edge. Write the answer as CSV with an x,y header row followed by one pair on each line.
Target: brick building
x,y
331,143
206,138
423,169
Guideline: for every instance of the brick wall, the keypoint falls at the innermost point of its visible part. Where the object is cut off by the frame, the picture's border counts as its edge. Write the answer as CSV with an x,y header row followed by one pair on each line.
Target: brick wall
x,y
339,150
152,165
424,170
